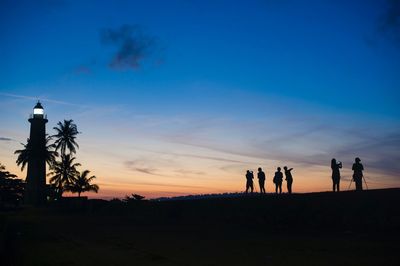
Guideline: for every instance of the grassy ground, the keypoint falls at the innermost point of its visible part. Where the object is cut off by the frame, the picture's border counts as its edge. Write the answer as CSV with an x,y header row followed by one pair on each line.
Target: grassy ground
x,y
308,229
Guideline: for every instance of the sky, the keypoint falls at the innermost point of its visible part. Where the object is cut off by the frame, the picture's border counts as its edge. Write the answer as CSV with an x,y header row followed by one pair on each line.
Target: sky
x,y
182,97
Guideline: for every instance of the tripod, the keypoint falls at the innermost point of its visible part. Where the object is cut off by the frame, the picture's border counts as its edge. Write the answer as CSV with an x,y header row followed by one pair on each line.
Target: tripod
x,y
351,180
365,182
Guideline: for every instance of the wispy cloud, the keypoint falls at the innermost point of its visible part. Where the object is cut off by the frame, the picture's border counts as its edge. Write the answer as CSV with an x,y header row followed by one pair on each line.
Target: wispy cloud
x,y
36,98
309,146
134,47
382,154
5,139
205,157
168,185
140,166
189,172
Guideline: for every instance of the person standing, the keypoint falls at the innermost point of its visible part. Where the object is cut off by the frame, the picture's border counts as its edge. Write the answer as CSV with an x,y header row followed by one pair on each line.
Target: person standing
x,y
249,181
289,179
261,180
358,169
335,166
278,178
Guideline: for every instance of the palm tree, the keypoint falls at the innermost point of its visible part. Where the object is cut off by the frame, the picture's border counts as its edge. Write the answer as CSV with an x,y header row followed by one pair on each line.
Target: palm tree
x,y
25,154
82,184
65,137
63,173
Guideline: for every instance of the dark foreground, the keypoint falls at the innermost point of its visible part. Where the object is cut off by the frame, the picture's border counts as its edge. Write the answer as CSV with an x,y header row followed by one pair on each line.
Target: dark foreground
x,y
310,229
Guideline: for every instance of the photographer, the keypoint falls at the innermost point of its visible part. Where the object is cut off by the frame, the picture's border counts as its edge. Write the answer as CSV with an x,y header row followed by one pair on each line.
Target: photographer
x,y
358,173
249,181
336,174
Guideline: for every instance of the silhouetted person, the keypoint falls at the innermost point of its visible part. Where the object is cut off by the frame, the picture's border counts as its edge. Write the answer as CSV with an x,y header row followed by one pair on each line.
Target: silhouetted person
x,y
289,179
261,180
278,178
249,181
336,174
358,173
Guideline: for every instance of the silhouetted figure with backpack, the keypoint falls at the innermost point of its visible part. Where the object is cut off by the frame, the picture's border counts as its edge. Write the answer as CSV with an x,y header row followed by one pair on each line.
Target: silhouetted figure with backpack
x,y
289,179
278,178
261,180
336,174
249,181
358,169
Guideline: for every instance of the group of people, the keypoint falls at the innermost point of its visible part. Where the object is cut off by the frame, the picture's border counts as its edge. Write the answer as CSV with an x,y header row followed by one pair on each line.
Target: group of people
x,y
278,180
357,168
358,176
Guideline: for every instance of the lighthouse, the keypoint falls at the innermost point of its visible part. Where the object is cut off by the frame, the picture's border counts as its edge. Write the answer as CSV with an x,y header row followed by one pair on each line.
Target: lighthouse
x,y
36,176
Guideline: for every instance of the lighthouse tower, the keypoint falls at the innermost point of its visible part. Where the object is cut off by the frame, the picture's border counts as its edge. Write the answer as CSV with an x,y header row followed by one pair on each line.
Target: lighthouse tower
x,y
36,176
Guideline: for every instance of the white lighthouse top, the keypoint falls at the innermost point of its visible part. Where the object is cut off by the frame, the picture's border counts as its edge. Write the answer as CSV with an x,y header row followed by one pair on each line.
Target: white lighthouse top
x,y
38,109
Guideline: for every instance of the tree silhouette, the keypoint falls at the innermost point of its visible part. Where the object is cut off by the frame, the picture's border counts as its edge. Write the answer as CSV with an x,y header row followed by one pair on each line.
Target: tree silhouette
x,y
65,137
11,188
133,198
63,173
25,154
5,174
82,183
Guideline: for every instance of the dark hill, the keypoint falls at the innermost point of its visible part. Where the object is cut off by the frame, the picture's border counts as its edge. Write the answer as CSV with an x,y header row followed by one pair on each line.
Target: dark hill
x,y
347,228
372,210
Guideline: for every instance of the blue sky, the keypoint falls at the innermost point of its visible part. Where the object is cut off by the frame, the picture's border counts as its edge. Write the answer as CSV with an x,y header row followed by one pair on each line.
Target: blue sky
x,y
167,83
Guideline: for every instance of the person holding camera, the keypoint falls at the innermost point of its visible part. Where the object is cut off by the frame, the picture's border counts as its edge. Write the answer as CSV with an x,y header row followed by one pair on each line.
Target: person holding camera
x,y
249,181
336,174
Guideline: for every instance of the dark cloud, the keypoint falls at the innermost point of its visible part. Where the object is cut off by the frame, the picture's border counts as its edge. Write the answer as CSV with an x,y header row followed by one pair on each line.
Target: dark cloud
x,y
389,23
134,47
5,139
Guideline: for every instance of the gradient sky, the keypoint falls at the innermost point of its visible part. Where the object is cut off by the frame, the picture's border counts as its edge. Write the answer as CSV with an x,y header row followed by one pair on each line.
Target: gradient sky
x,y
181,97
